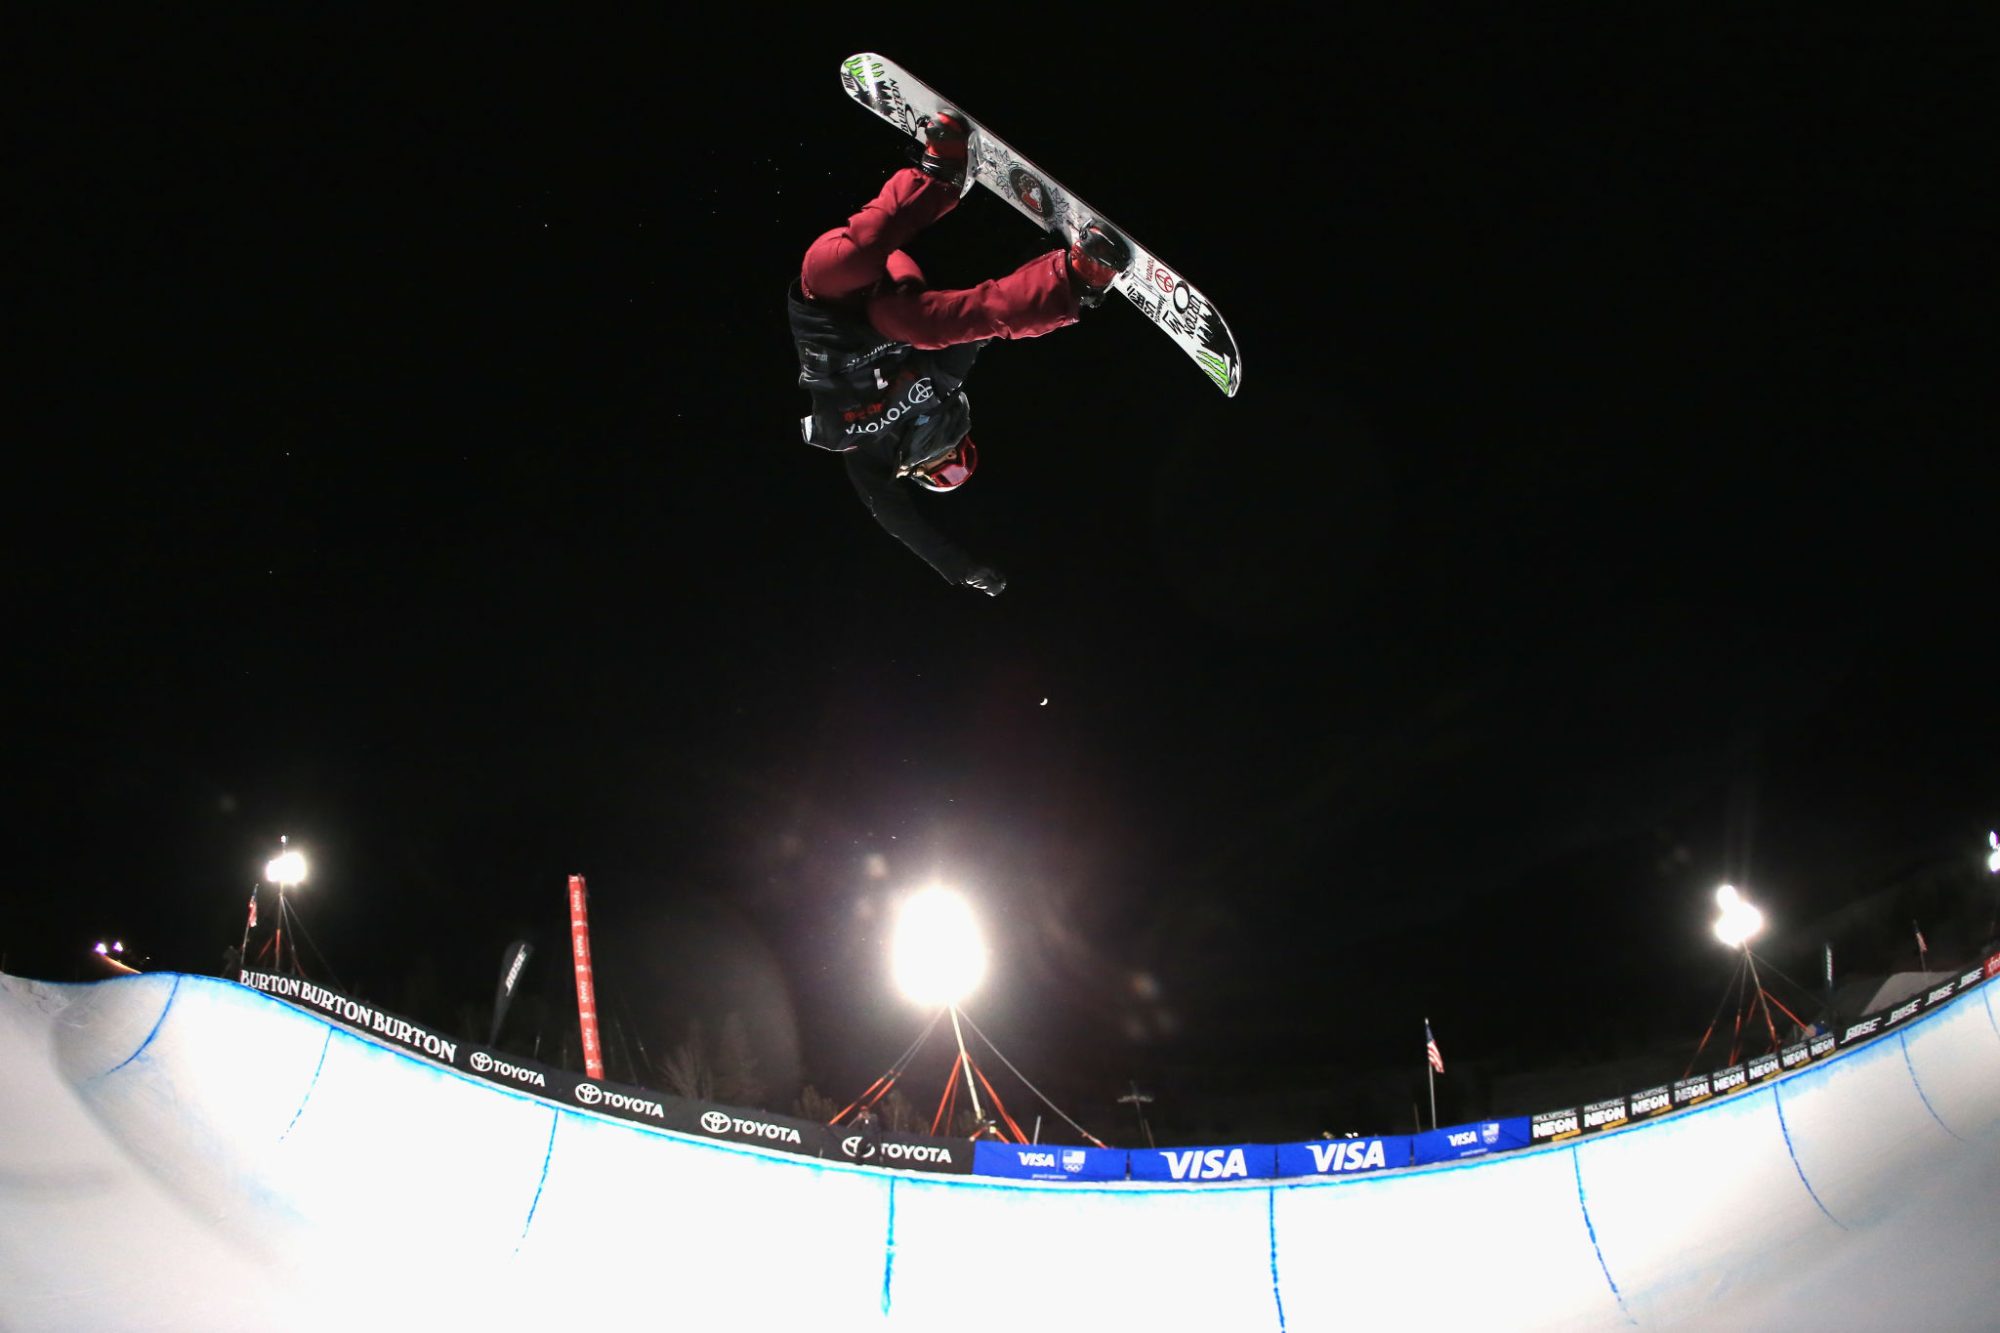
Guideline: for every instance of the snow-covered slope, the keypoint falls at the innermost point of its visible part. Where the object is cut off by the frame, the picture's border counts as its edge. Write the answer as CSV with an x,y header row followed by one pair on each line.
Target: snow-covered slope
x,y
180,1152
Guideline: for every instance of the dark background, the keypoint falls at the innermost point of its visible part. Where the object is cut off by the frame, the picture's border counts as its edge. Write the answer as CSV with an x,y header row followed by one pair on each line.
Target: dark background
x,y
408,464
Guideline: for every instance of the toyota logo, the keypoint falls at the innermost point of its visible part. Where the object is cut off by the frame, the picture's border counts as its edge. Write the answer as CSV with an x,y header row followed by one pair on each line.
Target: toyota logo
x,y
481,1061
589,1094
851,1145
715,1122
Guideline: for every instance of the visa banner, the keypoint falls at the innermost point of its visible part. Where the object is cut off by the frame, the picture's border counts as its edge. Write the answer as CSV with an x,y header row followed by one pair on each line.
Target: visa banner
x,y
1340,1157
1243,1161
1456,1141
1046,1161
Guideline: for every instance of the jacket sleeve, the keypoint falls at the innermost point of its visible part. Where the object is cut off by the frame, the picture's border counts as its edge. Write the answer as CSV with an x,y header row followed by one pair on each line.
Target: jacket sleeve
x,y
890,501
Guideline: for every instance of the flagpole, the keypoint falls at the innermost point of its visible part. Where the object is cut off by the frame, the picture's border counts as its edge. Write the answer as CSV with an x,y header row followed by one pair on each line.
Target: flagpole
x,y
1430,1075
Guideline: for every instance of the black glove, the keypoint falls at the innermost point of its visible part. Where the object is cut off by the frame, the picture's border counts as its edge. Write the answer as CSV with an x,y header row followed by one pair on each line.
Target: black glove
x,y
987,579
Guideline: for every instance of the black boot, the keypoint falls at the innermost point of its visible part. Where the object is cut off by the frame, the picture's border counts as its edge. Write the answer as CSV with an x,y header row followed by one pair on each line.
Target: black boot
x,y
947,136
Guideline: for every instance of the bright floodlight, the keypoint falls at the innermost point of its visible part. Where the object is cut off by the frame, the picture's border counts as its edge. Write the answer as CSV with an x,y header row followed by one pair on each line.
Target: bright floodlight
x,y
286,869
1739,920
1993,857
938,955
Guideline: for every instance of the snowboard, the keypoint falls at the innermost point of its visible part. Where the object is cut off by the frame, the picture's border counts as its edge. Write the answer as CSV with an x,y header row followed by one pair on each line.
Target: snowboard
x,y
1148,282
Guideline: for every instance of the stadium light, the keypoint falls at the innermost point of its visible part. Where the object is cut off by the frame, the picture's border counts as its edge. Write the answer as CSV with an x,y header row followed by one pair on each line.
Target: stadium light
x,y
1993,857
938,956
287,869
1739,920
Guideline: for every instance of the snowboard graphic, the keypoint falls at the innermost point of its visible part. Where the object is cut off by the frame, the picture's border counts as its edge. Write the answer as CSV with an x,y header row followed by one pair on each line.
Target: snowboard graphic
x,y
1161,294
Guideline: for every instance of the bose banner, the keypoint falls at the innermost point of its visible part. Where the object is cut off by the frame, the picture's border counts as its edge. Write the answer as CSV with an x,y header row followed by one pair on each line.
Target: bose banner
x,y
1340,1157
1476,1140
1046,1161
1243,1161
911,1152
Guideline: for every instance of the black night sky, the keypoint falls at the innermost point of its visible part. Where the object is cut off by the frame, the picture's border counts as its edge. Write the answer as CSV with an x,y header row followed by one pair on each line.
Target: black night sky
x,y
409,464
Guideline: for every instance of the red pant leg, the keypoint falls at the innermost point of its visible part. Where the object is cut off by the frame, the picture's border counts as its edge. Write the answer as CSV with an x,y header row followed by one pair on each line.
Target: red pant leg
x,y
848,260
1032,300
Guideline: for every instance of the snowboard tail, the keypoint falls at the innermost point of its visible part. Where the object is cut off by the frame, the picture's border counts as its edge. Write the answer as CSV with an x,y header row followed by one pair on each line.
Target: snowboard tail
x,y
1148,282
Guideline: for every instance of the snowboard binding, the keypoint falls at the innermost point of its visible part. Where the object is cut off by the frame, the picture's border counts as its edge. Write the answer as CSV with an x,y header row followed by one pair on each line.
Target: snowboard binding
x,y
1096,259
947,142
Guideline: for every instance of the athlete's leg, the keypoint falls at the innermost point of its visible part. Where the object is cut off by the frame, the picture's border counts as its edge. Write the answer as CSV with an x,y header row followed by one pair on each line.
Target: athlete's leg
x,y
1034,299
848,260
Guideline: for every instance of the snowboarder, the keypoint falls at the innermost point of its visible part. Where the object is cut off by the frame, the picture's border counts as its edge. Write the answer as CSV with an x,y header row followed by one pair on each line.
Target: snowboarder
x,y
884,357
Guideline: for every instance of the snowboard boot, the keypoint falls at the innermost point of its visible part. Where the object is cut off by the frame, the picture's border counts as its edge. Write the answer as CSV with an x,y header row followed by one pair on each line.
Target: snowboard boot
x,y
1098,256
946,138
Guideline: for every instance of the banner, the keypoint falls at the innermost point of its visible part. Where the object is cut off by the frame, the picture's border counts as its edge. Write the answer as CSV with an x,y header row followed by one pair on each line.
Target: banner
x,y
1905,1011
1475,1140
762,1129
355,1014
1823,1044
1604,1115
1939,994
1340,1157
1243,1161
1548,1126
1688,1091
1763,1067
586,989
1022,1161
1795,1055
1652,1101
1967,980
511,963
911,1152
1728,1080
1866,1028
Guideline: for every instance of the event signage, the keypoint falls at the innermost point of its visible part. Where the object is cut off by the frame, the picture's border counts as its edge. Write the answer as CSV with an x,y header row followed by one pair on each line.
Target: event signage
x,y
1475,1140
1242,1161
1046,1161
353,1013
1728,1080
1763,1067
1795,1055
1652,1101
1940,994
1993,966
1604,1115
1823,1044
1905,1011
1688,1091
623,1101
1341,1157
1548,1126
911,1152
1854,1032
762,1129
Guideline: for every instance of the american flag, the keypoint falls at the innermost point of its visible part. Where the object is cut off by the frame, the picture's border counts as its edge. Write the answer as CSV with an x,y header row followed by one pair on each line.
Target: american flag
x,y
1431,1048
253,904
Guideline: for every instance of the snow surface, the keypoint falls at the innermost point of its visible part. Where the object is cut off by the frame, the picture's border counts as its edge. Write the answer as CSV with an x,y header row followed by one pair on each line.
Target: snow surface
x,y
180,1152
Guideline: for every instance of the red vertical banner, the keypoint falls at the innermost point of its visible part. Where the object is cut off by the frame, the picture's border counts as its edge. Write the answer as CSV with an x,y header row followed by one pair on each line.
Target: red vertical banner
x,y
586,992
